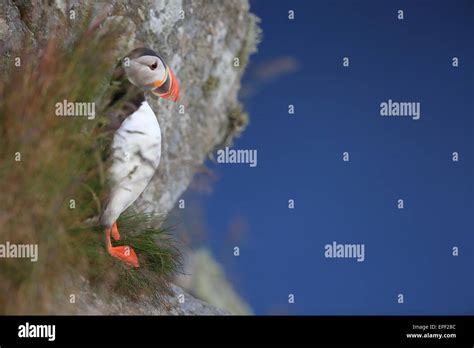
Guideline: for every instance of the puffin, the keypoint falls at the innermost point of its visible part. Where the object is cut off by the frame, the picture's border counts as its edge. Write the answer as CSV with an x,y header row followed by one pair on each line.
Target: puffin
x,y
135,149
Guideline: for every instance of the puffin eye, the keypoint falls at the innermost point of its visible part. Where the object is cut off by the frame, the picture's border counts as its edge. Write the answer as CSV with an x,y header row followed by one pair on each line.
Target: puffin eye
x,y
154,66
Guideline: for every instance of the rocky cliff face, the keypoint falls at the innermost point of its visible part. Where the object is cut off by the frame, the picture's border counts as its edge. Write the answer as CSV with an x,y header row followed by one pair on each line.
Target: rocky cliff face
x,y
178,303
206,43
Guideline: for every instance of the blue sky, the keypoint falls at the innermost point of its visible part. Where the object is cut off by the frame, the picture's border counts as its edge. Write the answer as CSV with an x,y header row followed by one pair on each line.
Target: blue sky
x,y
337,109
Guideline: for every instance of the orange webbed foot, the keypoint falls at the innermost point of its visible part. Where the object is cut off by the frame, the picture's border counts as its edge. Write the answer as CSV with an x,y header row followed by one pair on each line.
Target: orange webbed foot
x,y
124,253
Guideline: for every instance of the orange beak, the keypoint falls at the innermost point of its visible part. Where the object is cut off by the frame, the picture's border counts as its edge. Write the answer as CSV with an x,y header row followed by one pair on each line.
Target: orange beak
x,y
173,91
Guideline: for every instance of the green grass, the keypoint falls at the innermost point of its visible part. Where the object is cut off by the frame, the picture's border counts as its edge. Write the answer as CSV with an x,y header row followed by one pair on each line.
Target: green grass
x,y
158,255
238,120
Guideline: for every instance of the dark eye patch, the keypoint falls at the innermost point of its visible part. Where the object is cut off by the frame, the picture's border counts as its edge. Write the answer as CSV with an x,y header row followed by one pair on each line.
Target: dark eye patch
x,y
154,66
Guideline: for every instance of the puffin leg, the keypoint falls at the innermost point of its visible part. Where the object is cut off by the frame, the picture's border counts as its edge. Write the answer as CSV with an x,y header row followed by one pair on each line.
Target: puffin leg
x,y
124,253
115,233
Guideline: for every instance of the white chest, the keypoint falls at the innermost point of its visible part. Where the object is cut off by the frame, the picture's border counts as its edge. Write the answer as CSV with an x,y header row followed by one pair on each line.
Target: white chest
x,y
139,138
136,149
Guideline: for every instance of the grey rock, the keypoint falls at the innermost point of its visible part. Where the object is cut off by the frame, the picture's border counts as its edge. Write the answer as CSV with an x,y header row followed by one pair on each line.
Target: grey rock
x,y
204,278
178,303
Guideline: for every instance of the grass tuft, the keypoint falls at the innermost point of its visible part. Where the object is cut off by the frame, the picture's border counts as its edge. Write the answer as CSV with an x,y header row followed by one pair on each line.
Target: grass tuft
x,y
210,85
158,254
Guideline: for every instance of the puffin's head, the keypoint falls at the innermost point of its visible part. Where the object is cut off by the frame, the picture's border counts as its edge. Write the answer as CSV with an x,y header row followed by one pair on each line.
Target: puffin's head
x,y
147,70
